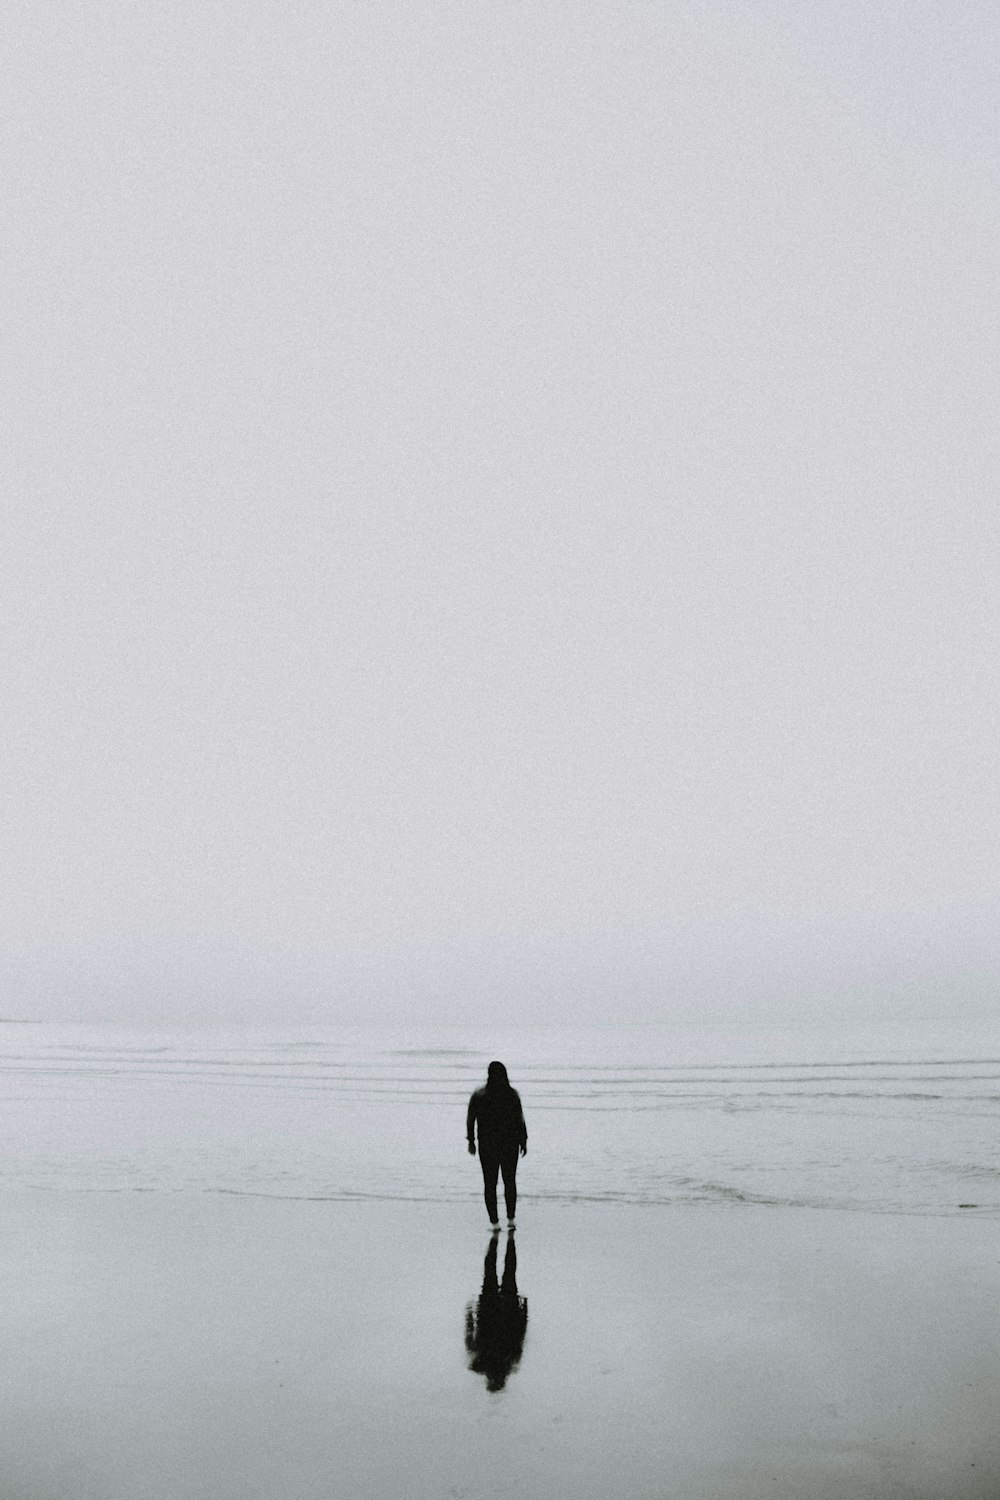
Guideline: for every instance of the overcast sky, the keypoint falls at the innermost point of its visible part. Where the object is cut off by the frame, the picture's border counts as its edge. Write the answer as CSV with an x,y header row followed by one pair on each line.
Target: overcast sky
x,y
501,509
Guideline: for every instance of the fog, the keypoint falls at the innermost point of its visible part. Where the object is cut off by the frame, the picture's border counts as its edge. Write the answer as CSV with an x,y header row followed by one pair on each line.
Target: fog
x,y
500,511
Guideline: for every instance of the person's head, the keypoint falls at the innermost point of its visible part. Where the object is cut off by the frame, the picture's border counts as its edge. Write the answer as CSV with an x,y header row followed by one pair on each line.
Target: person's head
x,y
496,1076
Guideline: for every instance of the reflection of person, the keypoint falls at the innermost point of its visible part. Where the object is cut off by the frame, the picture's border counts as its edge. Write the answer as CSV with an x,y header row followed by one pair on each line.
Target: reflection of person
x,y
496,1111
496,1324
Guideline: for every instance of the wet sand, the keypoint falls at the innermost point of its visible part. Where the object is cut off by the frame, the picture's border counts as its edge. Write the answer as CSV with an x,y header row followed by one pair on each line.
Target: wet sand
x,y
167,1347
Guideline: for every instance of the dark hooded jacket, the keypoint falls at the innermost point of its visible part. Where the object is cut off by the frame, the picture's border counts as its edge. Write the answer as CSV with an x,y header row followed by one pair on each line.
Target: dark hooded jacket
x,y
496,1111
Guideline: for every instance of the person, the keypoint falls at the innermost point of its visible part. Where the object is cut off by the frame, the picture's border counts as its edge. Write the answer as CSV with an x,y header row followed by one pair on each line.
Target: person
x,y
495,1113
496,1324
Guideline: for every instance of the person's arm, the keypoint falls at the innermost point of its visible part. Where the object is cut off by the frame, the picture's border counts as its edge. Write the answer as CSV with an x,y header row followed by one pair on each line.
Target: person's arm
x,y
523,1128
470,1125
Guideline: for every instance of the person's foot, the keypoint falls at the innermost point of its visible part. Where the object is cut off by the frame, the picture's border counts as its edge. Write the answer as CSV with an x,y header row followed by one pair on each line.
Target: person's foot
x,y
511,1224
495,1228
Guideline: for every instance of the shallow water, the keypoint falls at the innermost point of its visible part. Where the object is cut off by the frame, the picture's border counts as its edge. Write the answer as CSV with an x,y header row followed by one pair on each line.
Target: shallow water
x,y
902,1120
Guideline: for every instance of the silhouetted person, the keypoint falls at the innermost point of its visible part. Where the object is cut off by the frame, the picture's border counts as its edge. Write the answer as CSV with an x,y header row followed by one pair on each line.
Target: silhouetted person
x,y
496,1112
495,1326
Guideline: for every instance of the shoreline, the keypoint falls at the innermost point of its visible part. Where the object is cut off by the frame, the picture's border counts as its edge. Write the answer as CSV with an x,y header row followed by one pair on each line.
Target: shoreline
x,y
226,1345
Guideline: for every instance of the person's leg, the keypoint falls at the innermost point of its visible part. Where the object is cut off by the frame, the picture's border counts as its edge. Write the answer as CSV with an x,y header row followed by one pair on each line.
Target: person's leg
x,y
508,1165
491,1287
490,1164
509,1284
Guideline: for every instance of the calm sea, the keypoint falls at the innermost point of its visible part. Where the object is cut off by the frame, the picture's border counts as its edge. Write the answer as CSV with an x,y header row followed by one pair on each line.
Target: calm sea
x,y
898,1121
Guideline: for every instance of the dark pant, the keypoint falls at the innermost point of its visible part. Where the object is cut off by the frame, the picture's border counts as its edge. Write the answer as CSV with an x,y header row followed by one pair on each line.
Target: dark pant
x,y
494,1159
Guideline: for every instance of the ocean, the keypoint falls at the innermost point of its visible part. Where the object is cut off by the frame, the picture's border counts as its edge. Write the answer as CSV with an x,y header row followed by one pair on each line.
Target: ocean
x,y
902,1120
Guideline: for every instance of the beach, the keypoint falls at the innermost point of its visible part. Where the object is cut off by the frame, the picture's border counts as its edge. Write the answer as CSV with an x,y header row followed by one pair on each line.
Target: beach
x,y
170,1345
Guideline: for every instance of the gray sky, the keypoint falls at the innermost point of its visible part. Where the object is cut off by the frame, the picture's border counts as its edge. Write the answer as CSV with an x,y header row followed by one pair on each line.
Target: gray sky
x,y
501,509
